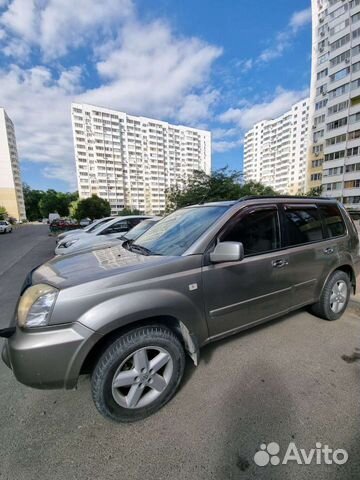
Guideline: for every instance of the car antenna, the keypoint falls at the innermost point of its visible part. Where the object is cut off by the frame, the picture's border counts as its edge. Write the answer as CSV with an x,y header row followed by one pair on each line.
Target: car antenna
x,y
202,201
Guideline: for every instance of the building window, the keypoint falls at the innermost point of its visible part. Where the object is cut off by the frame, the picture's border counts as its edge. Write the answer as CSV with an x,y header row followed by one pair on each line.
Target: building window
x,y
352,184
342,41
338,107
315,177
354,134
335,155
335,140
332,186
354,167
354,118
340,58
338,123
322,74
339,91
341,74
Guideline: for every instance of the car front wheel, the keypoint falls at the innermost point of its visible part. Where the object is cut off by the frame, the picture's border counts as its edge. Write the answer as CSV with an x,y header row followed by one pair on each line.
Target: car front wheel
x,y
138,374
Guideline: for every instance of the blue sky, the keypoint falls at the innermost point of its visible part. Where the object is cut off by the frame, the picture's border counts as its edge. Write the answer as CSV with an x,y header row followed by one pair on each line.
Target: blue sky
x,y
222,65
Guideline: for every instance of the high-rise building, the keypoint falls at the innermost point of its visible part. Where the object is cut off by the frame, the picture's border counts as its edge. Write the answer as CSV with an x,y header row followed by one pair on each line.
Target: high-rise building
x,y
275,151
11,192
131,161
334,129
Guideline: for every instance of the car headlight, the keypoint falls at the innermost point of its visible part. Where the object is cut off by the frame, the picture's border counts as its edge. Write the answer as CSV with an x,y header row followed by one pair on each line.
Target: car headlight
x,y
68,243
35,306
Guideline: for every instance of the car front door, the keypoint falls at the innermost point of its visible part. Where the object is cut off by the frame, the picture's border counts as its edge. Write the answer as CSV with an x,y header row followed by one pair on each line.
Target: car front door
x,y
256,288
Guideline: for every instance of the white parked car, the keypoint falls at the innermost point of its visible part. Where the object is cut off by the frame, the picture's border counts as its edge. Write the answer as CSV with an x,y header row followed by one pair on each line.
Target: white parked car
x,y
98,242
5,227
112,229
79,231
84,222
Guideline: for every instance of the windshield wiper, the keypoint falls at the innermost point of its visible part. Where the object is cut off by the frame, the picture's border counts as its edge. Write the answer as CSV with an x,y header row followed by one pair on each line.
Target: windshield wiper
x,y
140,249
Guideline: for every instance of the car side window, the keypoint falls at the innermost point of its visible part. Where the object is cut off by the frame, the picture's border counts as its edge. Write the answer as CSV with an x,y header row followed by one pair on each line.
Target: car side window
x,y
334,223
257,230
134,221
302,225
116,228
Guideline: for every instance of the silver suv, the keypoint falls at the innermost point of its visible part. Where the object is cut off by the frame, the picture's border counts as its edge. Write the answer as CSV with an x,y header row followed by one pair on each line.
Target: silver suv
x,y
128,314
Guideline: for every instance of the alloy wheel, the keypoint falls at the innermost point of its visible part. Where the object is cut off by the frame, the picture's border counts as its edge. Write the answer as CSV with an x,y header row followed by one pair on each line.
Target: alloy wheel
x,y
142,377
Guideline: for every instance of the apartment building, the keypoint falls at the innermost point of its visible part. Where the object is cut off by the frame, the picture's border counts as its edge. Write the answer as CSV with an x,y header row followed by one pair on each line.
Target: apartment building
x,y
275,151
131,161
11,193
334,132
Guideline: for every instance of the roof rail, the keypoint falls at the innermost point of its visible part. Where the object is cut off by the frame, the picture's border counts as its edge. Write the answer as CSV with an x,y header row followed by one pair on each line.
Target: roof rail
x,y
294,197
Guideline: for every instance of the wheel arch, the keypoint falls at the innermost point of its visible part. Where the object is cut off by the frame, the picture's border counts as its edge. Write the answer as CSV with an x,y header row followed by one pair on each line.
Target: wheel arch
x,y
346,268
189,341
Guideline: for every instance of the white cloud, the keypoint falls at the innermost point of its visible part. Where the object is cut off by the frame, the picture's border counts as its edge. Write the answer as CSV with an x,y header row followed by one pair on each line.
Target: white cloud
x,y
151,71
197,107
300,19
221,133
143,68
282,42
247,116
55,26
222,146
40,109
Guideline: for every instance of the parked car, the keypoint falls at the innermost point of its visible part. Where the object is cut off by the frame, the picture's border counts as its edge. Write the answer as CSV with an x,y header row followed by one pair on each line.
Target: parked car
x,y
53,216
98,242
111,229
79,231
84,222
60,225
198,275
5,226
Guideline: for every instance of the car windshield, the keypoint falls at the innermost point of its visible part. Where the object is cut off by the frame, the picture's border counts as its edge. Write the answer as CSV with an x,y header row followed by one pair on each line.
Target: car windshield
x,y
3,223
135,232
174,234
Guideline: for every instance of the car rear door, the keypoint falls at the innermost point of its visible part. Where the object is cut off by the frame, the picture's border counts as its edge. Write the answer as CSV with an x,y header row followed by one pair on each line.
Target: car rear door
x,y
256,288
307,250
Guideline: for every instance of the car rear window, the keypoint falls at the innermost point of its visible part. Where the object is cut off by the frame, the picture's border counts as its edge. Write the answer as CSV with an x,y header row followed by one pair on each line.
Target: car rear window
x,y
334,223
302,224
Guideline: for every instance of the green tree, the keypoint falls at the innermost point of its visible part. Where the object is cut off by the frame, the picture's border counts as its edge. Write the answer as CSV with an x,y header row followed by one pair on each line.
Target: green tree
x,y
223,184
32,199
3,213
130,211
53,201
73,207
92,207
314,192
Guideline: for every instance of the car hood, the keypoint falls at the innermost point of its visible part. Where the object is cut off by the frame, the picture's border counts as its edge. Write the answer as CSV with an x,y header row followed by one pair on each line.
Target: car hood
x,y
71,270
76,231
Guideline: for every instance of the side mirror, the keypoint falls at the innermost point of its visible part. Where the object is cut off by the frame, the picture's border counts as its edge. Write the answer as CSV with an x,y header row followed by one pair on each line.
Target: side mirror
x,y
227,252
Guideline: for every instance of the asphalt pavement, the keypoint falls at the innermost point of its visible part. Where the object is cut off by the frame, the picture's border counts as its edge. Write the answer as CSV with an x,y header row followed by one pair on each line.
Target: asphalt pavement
x,y
282,382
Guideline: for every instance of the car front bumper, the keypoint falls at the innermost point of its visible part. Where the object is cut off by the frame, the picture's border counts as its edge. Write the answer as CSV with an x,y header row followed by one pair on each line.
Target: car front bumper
x,y
49,358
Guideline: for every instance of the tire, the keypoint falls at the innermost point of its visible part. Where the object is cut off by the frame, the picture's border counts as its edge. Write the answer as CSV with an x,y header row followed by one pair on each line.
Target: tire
x,y
332,310
141,392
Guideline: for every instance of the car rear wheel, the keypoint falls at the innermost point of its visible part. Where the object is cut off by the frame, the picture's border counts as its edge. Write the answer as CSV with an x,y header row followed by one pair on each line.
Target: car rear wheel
x,y
334,298
138,374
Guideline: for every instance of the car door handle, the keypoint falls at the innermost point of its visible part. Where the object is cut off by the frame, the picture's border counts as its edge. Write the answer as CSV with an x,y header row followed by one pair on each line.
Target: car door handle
x,y
279,263
328,251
